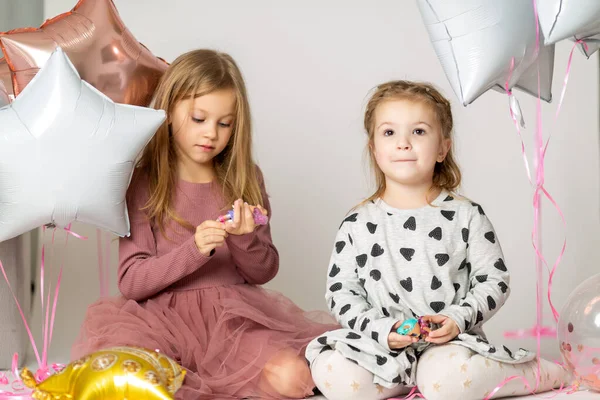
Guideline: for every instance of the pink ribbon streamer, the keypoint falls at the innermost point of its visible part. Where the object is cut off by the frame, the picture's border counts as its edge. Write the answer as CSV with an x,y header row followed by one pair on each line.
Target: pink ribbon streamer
x,y
44,371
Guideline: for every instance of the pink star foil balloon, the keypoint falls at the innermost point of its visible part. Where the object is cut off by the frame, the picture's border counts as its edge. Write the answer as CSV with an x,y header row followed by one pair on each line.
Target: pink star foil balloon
x,y
67,153
104,51
6,93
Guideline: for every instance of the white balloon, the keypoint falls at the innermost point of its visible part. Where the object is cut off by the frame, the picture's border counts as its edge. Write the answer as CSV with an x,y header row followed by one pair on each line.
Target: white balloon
x,y
575,19
475,41
67,153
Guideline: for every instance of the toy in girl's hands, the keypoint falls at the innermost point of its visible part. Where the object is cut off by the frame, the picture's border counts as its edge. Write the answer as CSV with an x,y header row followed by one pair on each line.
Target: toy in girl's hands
x,y
259,217
415,327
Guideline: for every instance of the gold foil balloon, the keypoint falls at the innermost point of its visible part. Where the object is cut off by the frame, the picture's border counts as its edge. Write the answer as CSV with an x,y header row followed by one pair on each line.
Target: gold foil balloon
x,y
112,374
104,51
579,333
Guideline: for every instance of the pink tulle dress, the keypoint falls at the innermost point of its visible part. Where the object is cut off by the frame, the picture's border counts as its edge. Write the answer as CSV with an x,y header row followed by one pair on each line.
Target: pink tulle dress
x,y
207,313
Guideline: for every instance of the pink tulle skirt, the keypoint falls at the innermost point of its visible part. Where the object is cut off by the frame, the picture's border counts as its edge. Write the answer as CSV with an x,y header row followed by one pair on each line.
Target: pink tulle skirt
x,y
224,335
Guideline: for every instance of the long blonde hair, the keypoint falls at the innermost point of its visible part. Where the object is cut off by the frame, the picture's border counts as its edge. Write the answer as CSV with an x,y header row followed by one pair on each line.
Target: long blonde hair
x,y
192,75
446,174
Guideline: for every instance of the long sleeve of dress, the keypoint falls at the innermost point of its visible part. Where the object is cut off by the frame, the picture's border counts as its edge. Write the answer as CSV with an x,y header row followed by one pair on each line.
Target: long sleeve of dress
x,y
254,254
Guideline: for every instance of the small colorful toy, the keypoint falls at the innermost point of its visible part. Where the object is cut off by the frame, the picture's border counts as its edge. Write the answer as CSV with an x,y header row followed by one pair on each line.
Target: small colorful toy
x,y
259,218
415,327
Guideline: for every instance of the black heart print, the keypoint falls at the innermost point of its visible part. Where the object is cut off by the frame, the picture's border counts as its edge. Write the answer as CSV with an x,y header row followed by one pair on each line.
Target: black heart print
x,y
407,253
339,246
375,336
376,250
503,287
410,224
375,274
500,265
442,259
396,379
449,198
411,359
336,286
481,278
436,233
345,309
385,311
352,361
408,371
381,360
322,340
435,283
325,348
334,271
481,340
490,236
332,304
492,349
449,215
350,218
479,317
506,349
393,354
353,348
363,326
437,306
479,208
407,284
465,235
395,297
361,260
352,335
467,325
350,239
354,293
456,286
352,322
465,304
371,227
491,303
362,281
463,264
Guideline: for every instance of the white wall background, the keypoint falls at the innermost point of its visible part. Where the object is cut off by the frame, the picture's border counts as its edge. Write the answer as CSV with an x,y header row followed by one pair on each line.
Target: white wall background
x,y
309,65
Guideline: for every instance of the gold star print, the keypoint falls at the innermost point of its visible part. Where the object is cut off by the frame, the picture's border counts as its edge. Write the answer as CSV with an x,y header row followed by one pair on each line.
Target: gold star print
x,y
485,395
452,355
467,383
329,367
555,383
327,385
379,388
355,386
430,356
548,376
436,387
487,363
500,365
463,368
523,371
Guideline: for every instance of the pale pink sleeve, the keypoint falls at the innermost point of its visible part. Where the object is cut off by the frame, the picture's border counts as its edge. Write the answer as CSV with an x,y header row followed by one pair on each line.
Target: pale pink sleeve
x,y
254,254
141,273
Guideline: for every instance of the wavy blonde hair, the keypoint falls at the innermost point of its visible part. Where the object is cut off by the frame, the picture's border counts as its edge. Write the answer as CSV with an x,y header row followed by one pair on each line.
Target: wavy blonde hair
x,y
192,75
446,174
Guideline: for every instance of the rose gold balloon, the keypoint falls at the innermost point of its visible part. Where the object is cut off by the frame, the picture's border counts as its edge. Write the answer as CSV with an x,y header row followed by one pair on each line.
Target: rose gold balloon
x,y
6,92
97,42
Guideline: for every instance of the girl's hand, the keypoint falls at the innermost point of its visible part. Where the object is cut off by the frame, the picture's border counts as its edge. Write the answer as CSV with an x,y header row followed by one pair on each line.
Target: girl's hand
x,y
209,235
397,341
446,333
243,220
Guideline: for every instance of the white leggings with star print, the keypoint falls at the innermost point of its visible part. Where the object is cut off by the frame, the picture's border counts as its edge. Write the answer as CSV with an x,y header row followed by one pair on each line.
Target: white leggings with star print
x,y
443,372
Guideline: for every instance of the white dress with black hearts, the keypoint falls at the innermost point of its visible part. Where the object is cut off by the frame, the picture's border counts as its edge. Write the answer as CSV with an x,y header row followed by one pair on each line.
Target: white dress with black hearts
x,y
389,265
